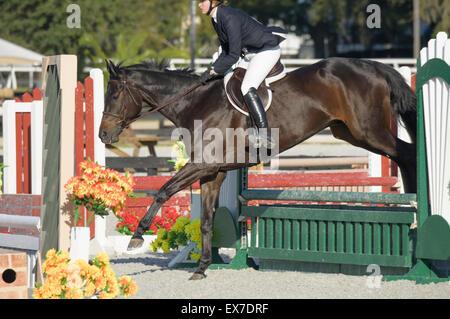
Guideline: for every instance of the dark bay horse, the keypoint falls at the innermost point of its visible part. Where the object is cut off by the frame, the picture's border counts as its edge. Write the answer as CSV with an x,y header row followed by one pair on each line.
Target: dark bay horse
x,y
355,98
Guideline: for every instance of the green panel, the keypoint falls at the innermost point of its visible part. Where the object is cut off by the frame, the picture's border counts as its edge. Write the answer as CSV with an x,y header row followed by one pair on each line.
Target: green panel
x,y
404,242
367,238
331,230
322,236
261,233
358,238
51,162
329,257
340,237
295,234
225,233
348,237
313,235
433,239
396,242
422,174
278,233
287,234
325,214
386,239
433,68
269,233
304,235
324,196
377,239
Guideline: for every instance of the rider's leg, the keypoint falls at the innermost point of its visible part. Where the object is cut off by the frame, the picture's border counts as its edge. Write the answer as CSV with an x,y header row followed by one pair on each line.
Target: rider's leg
x,y
257,113
259,67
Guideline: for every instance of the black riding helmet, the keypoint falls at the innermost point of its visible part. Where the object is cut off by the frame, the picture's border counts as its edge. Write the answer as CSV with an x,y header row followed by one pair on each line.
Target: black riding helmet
x,y
211,5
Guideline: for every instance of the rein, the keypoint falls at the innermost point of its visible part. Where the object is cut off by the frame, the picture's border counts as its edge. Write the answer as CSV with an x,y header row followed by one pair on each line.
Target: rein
x,y
148,98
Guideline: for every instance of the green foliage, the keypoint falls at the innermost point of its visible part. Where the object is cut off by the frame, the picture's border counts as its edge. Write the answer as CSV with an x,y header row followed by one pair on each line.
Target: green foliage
x,y
436,13
182,231
134,30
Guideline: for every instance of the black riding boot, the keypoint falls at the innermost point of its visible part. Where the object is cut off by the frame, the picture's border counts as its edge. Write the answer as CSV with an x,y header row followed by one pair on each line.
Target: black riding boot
x,y
257,112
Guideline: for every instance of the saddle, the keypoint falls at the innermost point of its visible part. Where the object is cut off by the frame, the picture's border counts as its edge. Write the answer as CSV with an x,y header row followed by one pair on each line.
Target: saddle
x,y
233,83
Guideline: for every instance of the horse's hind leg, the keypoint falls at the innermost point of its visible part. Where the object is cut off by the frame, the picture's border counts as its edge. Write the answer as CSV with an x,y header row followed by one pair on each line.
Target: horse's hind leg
x,y
382,141
210,189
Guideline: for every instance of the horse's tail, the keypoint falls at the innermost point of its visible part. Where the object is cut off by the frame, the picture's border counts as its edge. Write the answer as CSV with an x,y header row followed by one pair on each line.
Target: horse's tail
x,y
403,98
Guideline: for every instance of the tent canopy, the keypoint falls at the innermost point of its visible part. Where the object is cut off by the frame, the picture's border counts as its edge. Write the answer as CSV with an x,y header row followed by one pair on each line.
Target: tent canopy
x,y
11,53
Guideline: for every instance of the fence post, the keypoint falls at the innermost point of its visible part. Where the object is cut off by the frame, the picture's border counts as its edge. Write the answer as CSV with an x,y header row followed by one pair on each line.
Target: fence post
x,y
99,147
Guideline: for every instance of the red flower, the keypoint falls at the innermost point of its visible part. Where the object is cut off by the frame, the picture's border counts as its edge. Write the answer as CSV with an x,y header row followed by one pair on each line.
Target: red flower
x,y
129,220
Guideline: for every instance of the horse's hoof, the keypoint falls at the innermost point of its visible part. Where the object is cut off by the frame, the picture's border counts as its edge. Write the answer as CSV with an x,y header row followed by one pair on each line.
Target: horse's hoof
x,y
197,276
135,243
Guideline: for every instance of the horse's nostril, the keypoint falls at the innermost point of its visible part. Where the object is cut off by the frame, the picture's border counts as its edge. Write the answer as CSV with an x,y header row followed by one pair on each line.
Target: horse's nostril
x,y
103,133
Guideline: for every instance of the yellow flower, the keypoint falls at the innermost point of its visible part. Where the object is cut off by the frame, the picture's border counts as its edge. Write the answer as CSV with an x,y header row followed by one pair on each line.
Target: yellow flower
x,y
165,247
125,280
75,293
153,246
180,162
100,283
74,281
194,255
84,267
89,289
105,295
73,269
80,279
103,258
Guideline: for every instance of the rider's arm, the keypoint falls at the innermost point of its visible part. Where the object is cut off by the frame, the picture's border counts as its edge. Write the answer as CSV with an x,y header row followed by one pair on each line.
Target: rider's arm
x,y
229,57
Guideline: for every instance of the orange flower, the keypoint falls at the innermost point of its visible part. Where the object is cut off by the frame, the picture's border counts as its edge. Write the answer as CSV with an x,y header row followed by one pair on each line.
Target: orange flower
x,y
75,293
74,281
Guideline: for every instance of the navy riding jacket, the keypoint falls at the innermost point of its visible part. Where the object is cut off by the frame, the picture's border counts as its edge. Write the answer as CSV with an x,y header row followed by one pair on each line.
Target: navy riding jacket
x,y
238,31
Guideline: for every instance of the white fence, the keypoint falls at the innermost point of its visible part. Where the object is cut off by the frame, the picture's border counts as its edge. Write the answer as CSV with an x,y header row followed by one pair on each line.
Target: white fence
x,y
10,109
436,105
291,64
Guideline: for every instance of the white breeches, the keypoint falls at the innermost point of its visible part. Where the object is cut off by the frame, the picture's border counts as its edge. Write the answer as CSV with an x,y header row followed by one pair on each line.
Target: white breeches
x,y
260,64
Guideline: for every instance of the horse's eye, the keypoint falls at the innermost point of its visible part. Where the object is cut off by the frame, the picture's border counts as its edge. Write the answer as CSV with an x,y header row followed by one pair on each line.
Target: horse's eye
x,y
115,97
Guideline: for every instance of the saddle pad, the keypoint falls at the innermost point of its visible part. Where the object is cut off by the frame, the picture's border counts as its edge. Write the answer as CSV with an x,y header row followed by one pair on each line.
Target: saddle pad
x,y
233,82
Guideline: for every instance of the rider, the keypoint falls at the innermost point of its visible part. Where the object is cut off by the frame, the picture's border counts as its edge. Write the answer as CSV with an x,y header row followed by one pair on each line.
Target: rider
x,y
240,35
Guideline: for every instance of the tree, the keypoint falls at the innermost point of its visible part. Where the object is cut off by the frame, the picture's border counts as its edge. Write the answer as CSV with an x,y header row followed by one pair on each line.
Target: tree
x,y
436,13
41,26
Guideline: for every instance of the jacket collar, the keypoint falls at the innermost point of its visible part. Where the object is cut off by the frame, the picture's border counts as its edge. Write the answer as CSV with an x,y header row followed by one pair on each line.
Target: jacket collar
x,y
214,16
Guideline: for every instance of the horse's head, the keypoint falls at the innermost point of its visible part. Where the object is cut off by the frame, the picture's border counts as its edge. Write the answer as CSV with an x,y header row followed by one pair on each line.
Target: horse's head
x,y
123,102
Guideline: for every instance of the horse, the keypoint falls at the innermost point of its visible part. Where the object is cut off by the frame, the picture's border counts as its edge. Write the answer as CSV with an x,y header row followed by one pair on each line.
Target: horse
x,y
355,98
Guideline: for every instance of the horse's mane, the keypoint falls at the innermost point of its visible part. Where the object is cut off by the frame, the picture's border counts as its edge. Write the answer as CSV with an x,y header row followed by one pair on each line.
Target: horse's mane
x,y
155,64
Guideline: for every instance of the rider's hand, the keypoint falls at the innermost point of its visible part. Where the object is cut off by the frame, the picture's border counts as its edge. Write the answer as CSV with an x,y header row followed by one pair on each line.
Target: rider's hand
x,y
208,75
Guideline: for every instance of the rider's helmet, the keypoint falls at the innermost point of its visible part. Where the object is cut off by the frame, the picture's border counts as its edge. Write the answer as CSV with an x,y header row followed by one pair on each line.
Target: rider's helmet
x,y
211,6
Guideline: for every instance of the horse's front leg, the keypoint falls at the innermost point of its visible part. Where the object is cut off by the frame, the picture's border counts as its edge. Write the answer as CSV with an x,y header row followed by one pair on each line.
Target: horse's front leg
x,y
210,189
186,176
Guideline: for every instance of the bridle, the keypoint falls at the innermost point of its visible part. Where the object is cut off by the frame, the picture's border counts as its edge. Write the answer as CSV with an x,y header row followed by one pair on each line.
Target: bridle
x,y
146,96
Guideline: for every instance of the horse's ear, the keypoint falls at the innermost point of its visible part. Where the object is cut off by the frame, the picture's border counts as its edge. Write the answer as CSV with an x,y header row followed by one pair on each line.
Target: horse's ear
x,y
111,69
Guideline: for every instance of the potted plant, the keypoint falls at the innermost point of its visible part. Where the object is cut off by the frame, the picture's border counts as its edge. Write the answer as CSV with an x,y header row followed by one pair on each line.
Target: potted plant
x,y
183,231
100,190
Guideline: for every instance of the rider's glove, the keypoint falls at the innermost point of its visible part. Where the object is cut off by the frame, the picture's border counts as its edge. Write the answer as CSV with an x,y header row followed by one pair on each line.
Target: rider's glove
x,y
208,75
